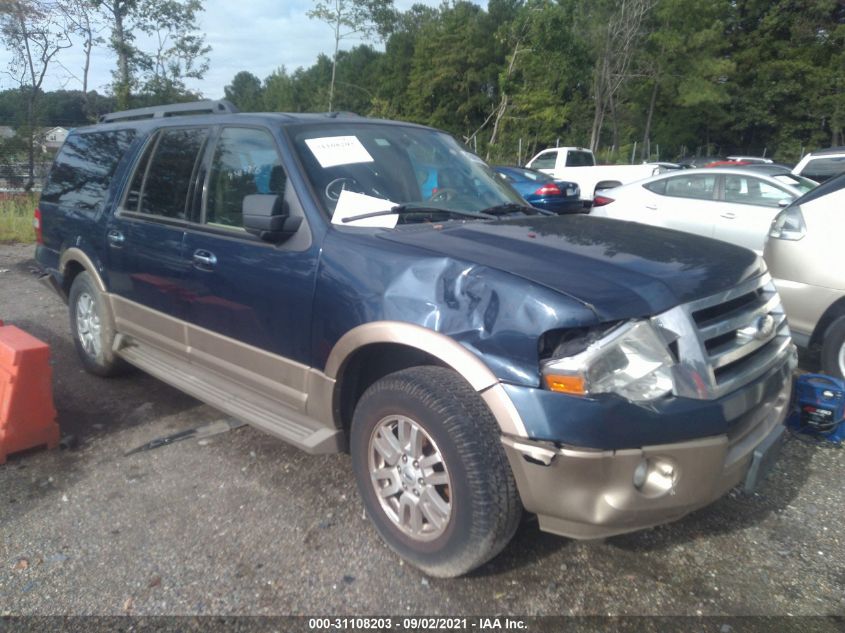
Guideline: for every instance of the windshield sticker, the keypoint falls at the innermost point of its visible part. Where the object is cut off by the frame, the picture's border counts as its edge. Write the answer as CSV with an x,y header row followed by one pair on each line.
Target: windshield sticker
x,y
338,150
350,204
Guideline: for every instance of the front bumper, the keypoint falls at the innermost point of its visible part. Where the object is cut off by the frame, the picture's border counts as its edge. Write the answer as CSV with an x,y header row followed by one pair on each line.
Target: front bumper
x,y
585,494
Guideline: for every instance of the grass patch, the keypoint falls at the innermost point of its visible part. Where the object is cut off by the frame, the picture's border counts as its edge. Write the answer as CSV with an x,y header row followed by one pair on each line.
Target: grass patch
x,y
16,218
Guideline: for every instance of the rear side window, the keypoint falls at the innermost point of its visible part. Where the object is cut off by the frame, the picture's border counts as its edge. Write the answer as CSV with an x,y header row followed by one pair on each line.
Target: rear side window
x,y
579,159
164,176
83,170
658,187
820,169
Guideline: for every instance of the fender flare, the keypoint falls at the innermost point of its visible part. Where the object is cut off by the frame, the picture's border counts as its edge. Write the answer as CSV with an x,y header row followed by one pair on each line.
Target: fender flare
x,y
442,347
74,254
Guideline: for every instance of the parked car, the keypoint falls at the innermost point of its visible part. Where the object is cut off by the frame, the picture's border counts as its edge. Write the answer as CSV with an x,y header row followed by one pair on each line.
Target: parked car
x,y
805,256
578,165
821,165
729,203
473,356
542,191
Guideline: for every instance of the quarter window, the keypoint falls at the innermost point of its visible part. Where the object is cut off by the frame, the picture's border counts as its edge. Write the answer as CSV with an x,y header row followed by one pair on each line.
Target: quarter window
x,y
245,163
83,170
163,180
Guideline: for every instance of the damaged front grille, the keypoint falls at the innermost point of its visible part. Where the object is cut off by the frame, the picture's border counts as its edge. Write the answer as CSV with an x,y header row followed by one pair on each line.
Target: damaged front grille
x,y
726,340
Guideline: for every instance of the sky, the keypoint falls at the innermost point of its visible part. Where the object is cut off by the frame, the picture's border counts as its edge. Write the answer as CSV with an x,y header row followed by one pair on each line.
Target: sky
x,y
254,35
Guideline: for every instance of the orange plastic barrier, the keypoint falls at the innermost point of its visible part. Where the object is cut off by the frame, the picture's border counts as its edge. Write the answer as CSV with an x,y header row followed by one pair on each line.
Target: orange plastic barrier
x,y
27,414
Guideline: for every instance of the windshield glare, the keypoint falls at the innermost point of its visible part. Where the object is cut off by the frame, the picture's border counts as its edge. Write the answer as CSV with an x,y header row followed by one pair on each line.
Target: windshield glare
x,y
392,165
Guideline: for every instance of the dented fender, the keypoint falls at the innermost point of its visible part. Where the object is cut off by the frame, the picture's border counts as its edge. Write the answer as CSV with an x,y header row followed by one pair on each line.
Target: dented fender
x,y
494,315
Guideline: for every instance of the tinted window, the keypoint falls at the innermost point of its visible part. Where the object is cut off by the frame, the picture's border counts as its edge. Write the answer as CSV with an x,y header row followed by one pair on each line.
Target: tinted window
x,y
699,186
164,176
579,159
545,161
658,186
820,169
245,163
84,167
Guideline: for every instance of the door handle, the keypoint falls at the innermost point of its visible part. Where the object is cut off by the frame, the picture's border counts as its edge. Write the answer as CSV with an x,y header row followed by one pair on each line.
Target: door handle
x,y
651,207
205,259
115,238
729,215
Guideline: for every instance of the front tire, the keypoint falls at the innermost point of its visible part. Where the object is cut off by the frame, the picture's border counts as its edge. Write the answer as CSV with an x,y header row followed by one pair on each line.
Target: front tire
x,y
833,349
431,470
92,328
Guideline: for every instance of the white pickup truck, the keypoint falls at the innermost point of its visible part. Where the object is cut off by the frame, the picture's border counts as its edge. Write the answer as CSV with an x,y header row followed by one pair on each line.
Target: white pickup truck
x,y
577,164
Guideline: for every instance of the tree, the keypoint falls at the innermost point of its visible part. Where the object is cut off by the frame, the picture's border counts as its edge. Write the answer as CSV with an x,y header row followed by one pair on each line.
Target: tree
x,y
685,62
454,70
82,18
34,32
179,53
617,31
352,18
245,92
277,92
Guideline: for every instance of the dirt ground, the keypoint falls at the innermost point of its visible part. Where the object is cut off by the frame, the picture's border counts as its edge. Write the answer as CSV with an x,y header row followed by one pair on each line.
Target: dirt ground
x,y
243,524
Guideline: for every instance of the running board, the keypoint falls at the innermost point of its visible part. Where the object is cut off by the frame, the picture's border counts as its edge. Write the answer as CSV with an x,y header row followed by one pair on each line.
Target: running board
x,y
244,404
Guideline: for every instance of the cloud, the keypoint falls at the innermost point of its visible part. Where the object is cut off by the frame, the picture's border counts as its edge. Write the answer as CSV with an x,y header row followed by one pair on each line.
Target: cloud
x,y
254,35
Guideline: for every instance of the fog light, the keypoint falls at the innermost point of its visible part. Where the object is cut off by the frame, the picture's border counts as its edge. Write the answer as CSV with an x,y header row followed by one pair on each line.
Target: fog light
x,y
655,477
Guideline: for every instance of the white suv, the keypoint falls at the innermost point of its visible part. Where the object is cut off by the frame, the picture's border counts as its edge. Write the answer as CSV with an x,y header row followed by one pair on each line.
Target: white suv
x,y
821,165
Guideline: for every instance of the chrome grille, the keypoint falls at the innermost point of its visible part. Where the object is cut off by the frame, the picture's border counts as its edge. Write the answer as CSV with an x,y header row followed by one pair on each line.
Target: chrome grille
x,y
726,340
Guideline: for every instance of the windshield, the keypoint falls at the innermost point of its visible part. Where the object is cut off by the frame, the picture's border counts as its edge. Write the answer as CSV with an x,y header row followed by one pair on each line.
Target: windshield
x,y
799,182
360,167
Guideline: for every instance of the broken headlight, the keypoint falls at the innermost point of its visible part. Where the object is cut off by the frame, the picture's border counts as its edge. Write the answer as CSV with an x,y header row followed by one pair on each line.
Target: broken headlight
x,y
631,361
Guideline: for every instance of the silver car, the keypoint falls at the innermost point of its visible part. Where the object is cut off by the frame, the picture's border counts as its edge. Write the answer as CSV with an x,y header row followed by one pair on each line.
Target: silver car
x,y
730,203
807,260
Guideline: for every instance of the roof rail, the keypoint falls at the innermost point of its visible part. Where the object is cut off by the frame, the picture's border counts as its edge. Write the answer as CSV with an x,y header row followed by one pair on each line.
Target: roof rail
x,y
174,109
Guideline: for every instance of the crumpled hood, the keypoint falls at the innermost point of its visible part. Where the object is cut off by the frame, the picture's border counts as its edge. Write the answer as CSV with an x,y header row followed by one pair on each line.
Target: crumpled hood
x,y
618,269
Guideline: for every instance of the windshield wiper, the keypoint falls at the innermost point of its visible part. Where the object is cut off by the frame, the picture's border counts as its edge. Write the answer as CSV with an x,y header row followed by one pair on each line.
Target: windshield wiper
x,y
403,209
509,207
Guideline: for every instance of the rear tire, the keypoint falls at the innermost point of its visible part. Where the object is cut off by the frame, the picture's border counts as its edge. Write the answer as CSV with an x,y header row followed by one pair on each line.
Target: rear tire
x,y
92,327
833,349
431,470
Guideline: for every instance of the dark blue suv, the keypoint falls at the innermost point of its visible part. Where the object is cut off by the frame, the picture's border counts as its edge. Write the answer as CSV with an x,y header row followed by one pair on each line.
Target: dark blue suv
x,y
371,286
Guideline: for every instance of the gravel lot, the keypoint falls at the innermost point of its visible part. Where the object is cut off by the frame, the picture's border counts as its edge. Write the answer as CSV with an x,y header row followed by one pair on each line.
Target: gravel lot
x,y
243,524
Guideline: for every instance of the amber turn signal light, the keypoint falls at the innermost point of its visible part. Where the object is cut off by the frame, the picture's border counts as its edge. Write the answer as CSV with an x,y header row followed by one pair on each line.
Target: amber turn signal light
x,y
566,384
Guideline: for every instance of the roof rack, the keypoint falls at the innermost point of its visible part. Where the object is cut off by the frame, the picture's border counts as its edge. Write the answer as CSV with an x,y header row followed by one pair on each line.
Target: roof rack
x,y
174,109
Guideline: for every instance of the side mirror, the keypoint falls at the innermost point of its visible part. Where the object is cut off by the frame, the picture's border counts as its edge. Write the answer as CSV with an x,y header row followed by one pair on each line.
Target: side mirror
x,y
267,217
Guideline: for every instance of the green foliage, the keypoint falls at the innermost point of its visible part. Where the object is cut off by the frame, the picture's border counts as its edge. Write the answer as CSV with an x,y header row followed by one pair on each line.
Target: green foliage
x,y
517,76
245,92
16,218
